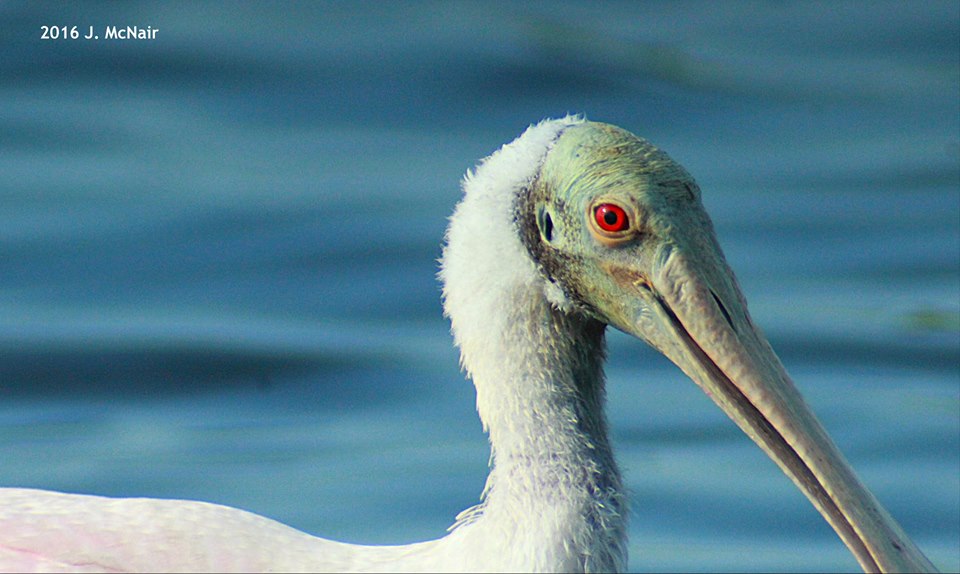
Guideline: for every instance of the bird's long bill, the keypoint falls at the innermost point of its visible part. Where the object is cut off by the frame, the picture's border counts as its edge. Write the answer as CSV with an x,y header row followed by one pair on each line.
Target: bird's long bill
x,y
696,315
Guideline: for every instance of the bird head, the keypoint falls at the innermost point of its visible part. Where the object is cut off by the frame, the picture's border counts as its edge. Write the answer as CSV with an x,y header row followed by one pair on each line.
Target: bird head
x,y
617,231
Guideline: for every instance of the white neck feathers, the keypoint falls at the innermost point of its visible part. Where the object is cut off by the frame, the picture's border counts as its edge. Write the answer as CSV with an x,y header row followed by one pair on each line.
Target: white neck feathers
x,y
554,492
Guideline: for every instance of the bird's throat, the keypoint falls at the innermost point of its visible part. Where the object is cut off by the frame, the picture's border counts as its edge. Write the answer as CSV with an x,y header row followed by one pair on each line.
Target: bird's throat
x,y
540,394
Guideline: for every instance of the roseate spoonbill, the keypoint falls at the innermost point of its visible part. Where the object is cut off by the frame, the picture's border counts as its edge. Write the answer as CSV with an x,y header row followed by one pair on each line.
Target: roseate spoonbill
x,y
572,227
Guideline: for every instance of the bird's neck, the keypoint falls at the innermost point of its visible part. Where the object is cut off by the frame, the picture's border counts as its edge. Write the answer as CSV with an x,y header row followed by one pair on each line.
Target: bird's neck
x,y
553,501
554,490
540,389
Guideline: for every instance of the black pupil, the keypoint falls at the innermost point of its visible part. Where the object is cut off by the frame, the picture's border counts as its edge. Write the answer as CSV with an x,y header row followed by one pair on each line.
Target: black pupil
x,y
547,227
611,218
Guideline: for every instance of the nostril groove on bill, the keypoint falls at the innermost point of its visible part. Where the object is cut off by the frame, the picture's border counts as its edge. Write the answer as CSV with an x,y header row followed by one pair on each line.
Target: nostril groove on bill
x,y
726,314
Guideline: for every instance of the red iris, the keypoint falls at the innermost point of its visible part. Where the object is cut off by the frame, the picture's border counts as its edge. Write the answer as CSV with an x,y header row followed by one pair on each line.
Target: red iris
x,y
611,217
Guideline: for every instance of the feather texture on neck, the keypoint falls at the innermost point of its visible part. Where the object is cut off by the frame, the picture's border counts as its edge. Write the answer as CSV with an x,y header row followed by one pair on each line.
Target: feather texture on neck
x,y
554,489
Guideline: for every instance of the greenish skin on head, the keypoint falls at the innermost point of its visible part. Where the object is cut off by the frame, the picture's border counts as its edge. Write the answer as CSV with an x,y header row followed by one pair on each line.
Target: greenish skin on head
x,y
658,273
593,164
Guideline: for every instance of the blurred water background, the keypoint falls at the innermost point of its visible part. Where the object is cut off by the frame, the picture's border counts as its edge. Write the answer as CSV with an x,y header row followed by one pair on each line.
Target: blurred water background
x,y
218,254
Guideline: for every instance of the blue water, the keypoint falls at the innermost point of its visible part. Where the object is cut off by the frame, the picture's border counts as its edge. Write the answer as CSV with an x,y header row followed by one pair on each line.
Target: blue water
x,y
217,254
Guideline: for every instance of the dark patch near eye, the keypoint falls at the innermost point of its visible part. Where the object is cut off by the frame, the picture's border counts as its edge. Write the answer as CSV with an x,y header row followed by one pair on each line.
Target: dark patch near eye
x,y
554,264
546,227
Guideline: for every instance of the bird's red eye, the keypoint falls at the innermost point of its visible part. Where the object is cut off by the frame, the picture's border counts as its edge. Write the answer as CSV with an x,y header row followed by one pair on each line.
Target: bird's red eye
x,y
611,218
